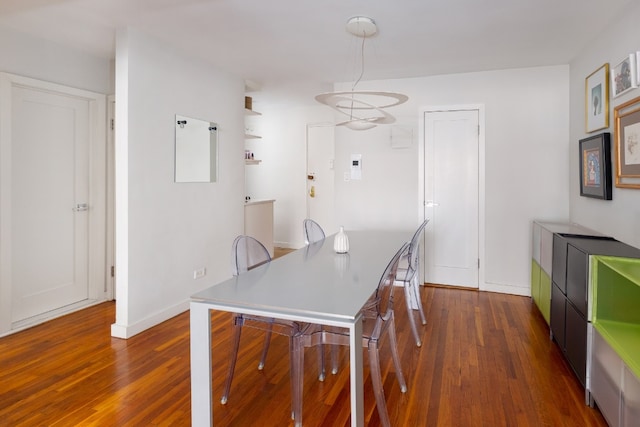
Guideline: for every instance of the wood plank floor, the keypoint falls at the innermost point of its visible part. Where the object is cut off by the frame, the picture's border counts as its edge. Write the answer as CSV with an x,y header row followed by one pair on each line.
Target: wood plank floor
x,y
486,361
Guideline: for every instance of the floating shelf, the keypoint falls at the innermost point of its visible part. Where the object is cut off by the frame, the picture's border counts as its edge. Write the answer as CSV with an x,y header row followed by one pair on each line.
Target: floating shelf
x,y
249,136
252,162
251,112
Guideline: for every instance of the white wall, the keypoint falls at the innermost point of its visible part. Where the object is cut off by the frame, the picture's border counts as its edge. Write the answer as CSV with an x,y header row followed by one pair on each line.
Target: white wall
x,y
620,217
527,138
165,230
41,59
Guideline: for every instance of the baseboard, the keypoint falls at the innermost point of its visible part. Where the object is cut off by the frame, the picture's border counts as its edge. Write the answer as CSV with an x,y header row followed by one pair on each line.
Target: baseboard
x,y
524,291
50,315
127,331
490,287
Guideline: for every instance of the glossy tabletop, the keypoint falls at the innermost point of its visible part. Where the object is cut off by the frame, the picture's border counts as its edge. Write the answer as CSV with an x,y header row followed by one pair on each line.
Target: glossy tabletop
x,y
312,284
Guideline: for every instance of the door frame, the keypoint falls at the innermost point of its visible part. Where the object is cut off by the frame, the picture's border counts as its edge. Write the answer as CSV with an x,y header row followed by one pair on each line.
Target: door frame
x,y
480,108
97,197
110,257
329,226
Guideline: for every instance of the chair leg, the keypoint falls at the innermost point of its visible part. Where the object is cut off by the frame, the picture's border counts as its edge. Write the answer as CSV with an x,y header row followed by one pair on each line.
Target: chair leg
x,y
376,379
237,329
297,378
393,342
321,370
412,320
416,293
265,348
334,359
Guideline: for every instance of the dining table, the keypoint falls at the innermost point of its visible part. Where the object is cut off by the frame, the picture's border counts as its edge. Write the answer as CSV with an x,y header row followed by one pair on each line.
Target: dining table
x,y
313,284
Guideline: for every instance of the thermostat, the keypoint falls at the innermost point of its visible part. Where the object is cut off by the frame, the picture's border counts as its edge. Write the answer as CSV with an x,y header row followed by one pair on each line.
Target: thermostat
x,y
356,166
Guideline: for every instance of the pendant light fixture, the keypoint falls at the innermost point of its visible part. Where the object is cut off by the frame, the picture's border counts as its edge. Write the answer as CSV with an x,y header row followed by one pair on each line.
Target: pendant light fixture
x,y
364,109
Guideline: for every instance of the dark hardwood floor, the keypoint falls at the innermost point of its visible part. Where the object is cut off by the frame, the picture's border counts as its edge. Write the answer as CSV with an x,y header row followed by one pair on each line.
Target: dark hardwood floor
x,y
486,361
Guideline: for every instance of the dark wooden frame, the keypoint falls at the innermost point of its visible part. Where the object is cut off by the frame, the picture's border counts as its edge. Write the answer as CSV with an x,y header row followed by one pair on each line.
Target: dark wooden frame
x,y
595,166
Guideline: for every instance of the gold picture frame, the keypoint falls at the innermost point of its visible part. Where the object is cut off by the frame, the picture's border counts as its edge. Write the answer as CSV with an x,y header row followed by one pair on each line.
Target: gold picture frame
x,y
627,143
596,99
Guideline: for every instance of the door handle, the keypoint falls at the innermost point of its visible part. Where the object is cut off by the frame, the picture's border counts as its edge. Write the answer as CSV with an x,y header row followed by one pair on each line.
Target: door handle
x,y
81,207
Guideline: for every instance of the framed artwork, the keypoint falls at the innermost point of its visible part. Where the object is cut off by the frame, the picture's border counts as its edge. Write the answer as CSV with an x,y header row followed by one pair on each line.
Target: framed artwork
x,y
596,99
627,144
595,166
623,76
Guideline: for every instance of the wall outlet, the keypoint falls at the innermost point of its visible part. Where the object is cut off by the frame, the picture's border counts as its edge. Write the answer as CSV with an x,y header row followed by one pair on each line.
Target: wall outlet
x,y
201,272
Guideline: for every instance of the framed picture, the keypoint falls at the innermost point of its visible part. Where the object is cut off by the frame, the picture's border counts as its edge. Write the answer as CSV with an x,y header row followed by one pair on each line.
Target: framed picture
x,y
595,166
627,144
623,76
596,99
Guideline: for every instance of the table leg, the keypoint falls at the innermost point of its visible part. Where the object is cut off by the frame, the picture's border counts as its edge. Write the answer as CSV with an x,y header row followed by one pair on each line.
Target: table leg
x,y
200,335
357,389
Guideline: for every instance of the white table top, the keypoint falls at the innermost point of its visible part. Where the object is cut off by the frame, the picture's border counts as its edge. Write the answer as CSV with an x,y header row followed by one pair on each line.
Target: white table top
x,y
312,282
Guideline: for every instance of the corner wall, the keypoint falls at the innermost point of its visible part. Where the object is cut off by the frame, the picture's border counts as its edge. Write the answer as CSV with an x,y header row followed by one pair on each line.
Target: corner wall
x,y
165,230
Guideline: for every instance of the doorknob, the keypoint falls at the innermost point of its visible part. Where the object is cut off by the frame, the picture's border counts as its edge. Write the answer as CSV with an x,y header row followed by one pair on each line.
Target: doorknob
x,y
81,207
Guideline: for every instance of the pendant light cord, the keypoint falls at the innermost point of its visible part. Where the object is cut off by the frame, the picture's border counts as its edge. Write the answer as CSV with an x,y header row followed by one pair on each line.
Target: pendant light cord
x,y
364,36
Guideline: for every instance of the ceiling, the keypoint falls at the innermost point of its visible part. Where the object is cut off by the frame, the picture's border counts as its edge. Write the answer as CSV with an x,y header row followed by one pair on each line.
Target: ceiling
x,y
306,40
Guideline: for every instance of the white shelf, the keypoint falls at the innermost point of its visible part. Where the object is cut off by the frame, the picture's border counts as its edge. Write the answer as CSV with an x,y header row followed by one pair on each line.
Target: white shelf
x,y
249,136
248,112
252,161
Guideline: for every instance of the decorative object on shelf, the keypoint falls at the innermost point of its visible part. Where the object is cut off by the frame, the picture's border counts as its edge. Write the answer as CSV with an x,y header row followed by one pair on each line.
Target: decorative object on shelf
x,y
627,143
248,103
595,166
596,99
365,109
341,242
623,76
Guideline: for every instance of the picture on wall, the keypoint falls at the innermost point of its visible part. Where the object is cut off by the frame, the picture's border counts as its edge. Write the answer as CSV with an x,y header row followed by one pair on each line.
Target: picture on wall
x,y
597,99
595,166
623,76
627,144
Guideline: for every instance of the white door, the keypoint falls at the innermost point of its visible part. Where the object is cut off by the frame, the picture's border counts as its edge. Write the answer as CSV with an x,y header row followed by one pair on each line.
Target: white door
x,y
320,176
451,186
47,200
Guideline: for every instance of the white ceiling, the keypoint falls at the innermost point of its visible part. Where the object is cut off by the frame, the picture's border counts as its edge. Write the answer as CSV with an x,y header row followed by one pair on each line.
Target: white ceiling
x,y
306,40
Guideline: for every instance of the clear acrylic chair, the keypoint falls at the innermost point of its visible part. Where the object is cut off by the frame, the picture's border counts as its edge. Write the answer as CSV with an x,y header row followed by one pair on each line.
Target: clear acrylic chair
x,y
378,320
312,231
408,275
248,253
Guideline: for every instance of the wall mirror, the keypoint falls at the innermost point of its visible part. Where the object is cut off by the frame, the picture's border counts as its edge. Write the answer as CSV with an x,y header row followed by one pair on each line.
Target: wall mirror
x,y
196,155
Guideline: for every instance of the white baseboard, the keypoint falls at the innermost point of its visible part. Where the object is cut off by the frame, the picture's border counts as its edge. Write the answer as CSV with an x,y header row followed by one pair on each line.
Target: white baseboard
x,y
127,331
507,289
50,315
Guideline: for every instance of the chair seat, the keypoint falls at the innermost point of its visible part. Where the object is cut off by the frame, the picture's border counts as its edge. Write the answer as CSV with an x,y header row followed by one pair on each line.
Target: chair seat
x,y
278,326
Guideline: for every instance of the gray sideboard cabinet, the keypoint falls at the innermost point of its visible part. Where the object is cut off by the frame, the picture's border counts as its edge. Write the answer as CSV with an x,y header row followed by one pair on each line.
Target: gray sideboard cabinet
x,y
542,258
570,296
